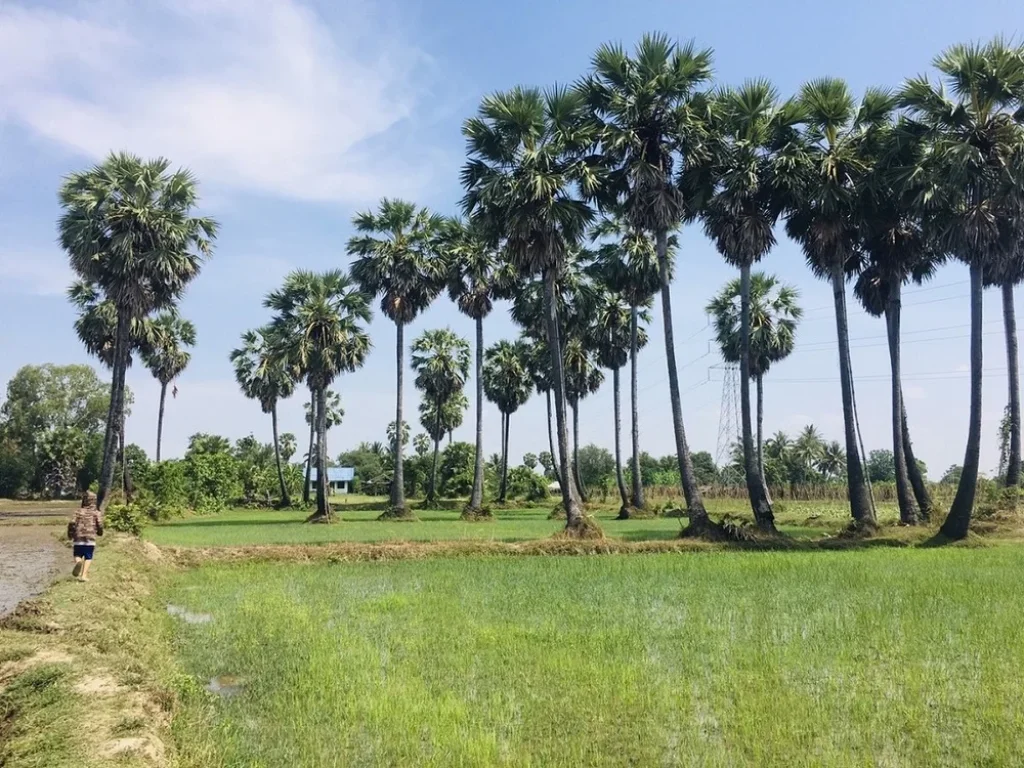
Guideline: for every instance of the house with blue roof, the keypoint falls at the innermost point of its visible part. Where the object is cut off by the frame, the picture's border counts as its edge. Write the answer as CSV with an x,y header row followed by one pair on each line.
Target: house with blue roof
x,y
339,480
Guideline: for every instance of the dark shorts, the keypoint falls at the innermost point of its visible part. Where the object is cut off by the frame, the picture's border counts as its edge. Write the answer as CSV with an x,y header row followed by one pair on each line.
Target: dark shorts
x,y
84,550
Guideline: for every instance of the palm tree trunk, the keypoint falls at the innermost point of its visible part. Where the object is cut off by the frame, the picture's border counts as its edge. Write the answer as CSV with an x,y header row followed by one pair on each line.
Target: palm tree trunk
x,y
624,509
398,477
432,491
476,498
506,422
860,503
921,493
904,492
551,442
759,503
570,495
323,506
576,451
127,486
312,435
160,419
759,383
959,518
115,413
634,396
285,500
699,520
1013,370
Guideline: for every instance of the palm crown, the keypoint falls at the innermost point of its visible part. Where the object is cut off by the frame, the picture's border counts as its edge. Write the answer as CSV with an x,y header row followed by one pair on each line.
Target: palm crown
x,y
441,361
507,380
260,371
96,324
167,354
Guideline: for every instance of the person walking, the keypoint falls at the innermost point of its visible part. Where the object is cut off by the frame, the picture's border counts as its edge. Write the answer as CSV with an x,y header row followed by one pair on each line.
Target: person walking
x,y
83,530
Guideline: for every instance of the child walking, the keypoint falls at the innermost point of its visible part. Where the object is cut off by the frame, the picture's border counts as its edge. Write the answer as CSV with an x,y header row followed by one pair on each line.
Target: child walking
x,y
83,530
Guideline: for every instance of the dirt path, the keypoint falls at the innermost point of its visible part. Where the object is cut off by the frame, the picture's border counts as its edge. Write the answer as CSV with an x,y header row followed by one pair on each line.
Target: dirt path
x,y
30,558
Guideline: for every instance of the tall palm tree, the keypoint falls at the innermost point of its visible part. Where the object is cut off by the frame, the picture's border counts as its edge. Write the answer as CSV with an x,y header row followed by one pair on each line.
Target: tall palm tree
x,y
616,337
128,231
167,356
440,359
652,123
774,315
971,164
507,384
754,135
263,375
832,461
1006,273
629,266
396,258
334,414
583,377
319,327
823,219
476,276
526,163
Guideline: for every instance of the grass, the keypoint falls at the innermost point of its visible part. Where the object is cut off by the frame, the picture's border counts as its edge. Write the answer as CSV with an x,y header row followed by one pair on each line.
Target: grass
x,y
358,523
908,656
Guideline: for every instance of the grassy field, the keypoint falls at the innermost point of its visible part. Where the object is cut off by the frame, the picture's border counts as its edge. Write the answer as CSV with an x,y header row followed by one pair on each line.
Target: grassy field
x,y
357,523
891,657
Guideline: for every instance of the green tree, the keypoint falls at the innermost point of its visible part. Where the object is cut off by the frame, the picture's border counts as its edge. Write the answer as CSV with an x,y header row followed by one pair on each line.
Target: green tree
x,y
396,258
530,461
263,375
526,161
704,467
652,121
204,444
596,465
507,384
831,462
973,166
881,466
128,230
167,356
319,330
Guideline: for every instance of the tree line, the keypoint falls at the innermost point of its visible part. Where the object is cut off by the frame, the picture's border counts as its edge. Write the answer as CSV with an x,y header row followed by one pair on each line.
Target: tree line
x,y
573,198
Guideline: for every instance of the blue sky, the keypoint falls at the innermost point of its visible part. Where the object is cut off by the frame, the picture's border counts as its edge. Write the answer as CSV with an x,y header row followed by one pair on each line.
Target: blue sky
x,y
294,115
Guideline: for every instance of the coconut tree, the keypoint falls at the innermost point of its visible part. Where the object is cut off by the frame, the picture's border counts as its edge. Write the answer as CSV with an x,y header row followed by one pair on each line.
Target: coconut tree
x,y
263,375
970,167
128,229
616,337
440,359
583,377
652,126
526,164
319,330
831,463
774,315
476,276
507,384
396,258
753,136
167,356
823,218
629,266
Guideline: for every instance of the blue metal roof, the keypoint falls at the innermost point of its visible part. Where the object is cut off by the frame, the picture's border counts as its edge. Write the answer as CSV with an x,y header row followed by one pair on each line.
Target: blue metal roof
x,y
337,474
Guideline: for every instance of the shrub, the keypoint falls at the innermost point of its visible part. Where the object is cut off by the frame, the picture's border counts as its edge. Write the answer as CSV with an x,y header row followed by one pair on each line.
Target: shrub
x,y
126,518
167,488
524,483
212,481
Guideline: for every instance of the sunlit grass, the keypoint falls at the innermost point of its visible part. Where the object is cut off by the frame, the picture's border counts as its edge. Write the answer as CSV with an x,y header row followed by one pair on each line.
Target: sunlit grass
x,y
899,657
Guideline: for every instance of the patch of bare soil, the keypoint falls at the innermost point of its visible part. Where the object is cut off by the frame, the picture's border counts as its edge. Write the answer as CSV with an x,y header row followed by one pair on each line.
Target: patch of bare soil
x,y
30,559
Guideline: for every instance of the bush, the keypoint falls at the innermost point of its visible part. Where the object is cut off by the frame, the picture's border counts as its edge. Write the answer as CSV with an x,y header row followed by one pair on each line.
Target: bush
x,y
524,483
166,487
126,518
212,481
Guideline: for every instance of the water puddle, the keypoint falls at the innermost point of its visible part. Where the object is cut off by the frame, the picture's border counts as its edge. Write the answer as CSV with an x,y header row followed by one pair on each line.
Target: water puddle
x,y
225,685
187,616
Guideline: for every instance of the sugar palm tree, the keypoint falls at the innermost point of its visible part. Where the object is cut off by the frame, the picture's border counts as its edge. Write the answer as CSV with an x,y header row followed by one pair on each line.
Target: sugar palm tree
x,y
583,377
617,336
1006,274
319,327
167,356
774,315
629,266
440,359
975,145
754,135
128,229
335,413
526,163
476,276
263,375
507,384
822,218
652,122
396,258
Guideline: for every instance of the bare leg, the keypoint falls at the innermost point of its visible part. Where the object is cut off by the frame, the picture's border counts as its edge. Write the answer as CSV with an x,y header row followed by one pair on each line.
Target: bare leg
x,y
85,570
77,571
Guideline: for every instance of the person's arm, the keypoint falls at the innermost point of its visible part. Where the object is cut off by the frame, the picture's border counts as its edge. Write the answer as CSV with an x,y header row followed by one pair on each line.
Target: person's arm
x,y
99,522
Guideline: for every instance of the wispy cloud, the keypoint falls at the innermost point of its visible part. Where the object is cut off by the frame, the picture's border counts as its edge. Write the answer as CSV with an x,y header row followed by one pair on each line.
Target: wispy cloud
x,y
34,273
265,96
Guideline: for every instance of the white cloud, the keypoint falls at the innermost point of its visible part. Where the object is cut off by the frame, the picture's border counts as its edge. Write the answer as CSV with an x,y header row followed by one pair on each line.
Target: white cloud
x,y
262,96
34,273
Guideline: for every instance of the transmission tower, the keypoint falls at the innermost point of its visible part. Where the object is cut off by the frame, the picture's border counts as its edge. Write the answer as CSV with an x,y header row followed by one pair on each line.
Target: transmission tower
x,y
729,416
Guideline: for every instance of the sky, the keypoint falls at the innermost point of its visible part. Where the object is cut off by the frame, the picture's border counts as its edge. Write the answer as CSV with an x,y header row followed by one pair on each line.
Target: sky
x,y
296,115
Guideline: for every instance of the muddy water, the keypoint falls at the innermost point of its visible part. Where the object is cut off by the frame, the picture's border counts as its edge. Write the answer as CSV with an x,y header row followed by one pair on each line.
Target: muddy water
x,y
30,559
